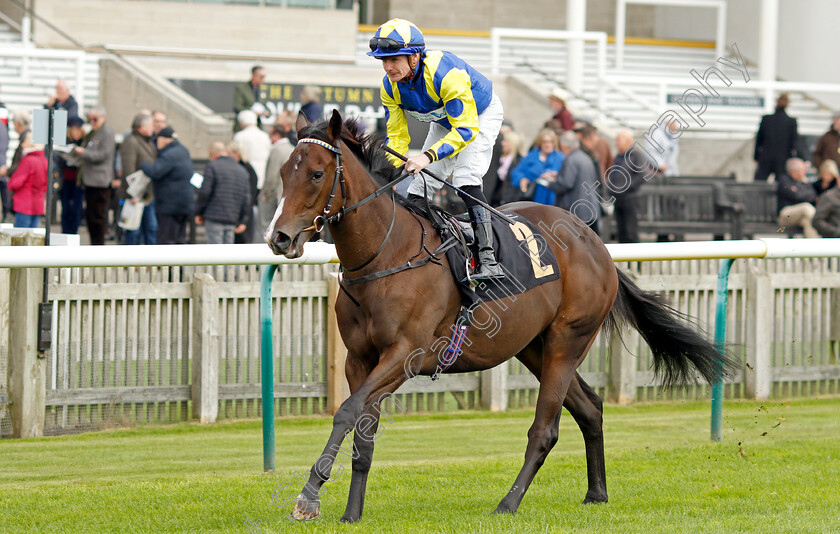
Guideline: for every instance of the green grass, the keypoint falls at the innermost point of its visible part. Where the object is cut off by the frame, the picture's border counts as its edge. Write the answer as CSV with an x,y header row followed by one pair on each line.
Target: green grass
x,y
777,470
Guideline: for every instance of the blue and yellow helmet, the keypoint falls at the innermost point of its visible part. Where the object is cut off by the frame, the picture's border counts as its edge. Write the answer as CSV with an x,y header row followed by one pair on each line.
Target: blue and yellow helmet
x,y
397,37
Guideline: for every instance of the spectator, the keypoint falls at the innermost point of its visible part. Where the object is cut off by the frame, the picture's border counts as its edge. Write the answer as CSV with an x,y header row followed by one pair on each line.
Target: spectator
x,y
29,185
561,114
158,123
62,99
238,154
827,217
287,121
508,160
624,179
251,95
663,146
539,168
775,142
577,182
272,189
174,196
5,196
72,193
134,151
828,147
96,156
310,100
596,147
224,200
254,144
22,122
796,198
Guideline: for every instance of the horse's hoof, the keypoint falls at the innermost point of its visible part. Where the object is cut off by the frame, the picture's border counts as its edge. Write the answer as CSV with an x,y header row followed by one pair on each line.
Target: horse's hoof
x,y
305,509
350,519
595,498
503,509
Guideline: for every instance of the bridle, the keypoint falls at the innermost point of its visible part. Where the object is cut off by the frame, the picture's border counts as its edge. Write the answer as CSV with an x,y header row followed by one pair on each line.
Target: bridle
x,y
325,218
320,221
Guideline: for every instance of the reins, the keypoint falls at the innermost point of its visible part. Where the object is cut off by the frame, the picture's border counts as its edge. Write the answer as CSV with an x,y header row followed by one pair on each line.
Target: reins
x,y
325,218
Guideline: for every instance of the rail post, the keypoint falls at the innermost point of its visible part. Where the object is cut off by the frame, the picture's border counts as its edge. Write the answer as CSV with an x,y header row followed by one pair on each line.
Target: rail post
x,y
720,340
267,367
27,367
758,380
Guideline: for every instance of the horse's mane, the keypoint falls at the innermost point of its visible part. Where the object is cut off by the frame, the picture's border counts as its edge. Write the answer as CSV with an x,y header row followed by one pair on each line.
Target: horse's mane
x,y
364,145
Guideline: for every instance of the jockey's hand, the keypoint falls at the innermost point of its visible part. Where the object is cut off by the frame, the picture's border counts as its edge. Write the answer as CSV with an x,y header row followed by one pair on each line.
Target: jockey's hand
x,y
417,163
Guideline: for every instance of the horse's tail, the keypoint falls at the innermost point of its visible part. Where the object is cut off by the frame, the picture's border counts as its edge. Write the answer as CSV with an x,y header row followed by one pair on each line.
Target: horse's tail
x,y
677,345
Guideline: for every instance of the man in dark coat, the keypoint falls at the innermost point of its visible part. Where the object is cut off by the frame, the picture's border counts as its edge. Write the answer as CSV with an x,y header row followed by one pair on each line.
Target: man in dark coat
x,y
224,200
62,99
577,182
775,142
247,94
828,147
97,173
174,195
795,197
625,178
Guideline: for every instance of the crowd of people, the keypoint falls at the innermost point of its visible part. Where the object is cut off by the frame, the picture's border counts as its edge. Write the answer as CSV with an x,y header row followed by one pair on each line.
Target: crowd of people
x,y
140,187
812,204
568,164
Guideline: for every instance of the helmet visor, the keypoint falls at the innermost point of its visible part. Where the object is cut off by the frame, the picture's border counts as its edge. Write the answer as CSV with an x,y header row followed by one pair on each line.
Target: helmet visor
x,y
386,45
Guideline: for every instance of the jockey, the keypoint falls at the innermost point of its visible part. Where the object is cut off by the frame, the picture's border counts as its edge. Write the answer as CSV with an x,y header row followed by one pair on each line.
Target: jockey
x,y
464,113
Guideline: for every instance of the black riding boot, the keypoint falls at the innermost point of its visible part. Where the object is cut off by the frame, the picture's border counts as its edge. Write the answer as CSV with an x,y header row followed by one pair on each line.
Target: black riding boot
x,y
487,268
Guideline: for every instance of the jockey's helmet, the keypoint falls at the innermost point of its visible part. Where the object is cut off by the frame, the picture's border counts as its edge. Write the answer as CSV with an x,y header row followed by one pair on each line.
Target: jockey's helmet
x,y
397,37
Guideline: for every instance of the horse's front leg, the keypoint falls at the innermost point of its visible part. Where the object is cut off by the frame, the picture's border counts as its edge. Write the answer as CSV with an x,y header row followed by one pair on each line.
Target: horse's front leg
x,y
357,370
384,380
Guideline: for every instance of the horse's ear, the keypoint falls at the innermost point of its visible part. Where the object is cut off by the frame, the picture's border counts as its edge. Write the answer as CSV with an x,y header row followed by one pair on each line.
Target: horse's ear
x,y
335,125
302,122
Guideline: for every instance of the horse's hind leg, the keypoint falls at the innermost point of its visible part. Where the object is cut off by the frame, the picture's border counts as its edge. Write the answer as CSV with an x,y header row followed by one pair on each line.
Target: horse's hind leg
x,y
563,350
586,408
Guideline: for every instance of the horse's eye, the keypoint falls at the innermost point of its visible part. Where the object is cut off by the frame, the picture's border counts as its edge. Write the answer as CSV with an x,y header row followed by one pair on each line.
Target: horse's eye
x,y
317,176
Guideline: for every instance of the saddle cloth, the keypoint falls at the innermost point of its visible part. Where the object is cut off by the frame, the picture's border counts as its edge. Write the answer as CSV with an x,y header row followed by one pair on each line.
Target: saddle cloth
x,y
521,251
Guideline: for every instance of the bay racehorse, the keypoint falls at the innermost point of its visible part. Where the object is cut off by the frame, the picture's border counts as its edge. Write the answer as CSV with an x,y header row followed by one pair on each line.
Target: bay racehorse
x,y
334,178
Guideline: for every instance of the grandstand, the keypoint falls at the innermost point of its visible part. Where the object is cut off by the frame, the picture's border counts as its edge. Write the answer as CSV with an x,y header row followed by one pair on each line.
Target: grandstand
x,y
653,75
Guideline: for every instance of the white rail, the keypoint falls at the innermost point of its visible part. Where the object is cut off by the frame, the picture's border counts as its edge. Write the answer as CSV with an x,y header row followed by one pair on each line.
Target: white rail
x,y
320,253
621,22
600,38
152,255
26,54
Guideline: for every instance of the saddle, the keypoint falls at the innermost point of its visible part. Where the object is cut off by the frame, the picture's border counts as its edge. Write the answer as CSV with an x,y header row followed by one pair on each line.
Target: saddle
x,y
521,250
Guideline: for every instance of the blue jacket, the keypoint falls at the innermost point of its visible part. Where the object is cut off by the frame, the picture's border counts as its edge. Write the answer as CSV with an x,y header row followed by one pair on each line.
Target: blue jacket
x,y
170,174
531,168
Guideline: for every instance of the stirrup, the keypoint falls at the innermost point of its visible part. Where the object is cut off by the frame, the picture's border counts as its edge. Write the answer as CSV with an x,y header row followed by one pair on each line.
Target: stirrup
x,y
490,272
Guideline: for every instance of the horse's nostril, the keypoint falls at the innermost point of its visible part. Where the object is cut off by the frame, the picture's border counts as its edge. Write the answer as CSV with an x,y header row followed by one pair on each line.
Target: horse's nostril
x,y
282,240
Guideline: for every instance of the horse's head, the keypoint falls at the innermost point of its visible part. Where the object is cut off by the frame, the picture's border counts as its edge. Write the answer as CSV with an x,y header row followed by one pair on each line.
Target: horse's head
x,y
308,183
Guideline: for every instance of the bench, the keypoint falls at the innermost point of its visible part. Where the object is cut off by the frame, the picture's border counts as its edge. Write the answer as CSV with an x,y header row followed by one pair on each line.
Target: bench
x,y
679,209
686,208
759,214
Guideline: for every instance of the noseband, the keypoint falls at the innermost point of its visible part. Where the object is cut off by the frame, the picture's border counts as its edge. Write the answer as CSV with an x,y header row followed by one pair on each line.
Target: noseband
x,y
319,222
325,218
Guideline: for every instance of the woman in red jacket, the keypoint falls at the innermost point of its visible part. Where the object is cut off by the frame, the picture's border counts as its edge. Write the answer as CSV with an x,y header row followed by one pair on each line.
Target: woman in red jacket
x,y
29,186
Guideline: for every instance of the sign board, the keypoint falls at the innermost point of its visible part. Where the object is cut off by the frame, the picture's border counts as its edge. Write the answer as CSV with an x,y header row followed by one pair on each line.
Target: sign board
x,y
363,103
732,101
41,125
